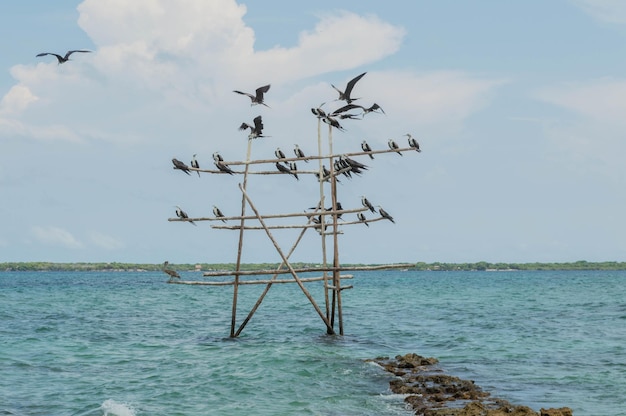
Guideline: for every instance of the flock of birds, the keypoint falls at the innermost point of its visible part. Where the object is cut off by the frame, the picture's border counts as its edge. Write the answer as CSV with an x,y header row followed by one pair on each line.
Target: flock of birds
x,y
342,165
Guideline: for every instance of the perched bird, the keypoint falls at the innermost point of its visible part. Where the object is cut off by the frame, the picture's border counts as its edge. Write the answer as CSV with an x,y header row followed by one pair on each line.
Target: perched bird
x,y
256,130
217,157
318,112
366,148
195,164
171,273
284,169
332,122
361,218
298,152
224,167
385,214
367,204
355,165
62,59
180,165
413,143
279,153
345,95
257,98
294,169
218,213
183,215
394,146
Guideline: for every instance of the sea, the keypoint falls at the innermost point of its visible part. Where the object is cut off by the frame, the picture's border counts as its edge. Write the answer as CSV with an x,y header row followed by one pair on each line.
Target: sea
x,y
128,343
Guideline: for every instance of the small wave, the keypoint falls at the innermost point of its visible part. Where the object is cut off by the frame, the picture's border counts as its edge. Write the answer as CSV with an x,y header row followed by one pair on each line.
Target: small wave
x,y
112,408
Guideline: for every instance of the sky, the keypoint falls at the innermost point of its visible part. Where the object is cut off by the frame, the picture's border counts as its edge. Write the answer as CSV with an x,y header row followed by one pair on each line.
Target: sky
x,y
519,109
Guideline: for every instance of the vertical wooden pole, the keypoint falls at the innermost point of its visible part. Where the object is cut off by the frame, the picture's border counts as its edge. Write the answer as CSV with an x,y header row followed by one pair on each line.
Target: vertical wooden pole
x,y
321,210
240,248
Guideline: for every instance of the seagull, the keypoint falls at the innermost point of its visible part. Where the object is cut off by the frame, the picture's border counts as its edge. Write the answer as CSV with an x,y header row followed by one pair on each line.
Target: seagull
x,y
256,130
299,153
366,148
345,95
294,169
180,165
367,204
361,218
195,164
384,214
183,215
218,213
279,153
217,157
394,146
224,167
172,273
62,59
413,143
257,98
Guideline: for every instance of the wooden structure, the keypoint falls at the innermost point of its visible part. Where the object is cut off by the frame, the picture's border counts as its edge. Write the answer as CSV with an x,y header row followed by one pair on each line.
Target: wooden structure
x,y
322,221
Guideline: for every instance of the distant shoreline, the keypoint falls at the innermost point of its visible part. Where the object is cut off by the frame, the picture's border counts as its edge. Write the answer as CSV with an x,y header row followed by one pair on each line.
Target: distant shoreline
x,y
437,266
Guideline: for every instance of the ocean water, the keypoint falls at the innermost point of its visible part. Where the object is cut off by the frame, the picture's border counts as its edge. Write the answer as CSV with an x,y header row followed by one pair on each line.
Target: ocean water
x,y
127,344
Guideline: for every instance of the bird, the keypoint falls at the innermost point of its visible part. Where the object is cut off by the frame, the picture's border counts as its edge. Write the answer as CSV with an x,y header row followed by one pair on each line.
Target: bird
x,y
385,214
365,110
279,153
366,148
356,166
367,204
224,167
361,218
172,273
217,157
257,98
345,95
183,215
413,143
218,213
394,146
318,112
62,59
195,164
299,153
180,165
293,168
332,122
256,130
284,169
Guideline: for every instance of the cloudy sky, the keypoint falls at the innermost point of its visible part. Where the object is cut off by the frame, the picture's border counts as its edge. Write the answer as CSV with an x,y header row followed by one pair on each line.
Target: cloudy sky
x,y
519,108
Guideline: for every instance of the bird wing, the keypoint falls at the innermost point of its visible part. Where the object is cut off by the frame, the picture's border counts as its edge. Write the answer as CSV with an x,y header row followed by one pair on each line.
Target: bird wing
x,y
49,53
244,126
351,84
345,108
262,90
244,93
67,55
258,124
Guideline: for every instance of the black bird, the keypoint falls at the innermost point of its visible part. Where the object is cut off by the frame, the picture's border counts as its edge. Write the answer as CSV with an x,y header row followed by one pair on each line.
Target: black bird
x,y
62,59
299,153
366,148
217,157
218,213
355,165
285,169
345,95
279,153
183,215
256,130
394,146
384,214
413,143
180,165
293,168
332,122
224,167
172,273
372,109
367,204
361,218
318,112
195,164
257,98
339,208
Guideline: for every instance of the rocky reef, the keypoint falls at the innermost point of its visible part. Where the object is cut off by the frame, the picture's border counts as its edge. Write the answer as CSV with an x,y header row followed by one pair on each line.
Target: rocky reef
x,y
430,392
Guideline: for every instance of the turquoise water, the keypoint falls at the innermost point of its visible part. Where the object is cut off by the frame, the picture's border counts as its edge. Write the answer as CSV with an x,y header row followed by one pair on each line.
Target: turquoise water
x,y
128,344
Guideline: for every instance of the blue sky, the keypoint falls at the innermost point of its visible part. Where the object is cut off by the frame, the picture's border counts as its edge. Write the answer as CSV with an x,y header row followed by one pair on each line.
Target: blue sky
x,y
518,107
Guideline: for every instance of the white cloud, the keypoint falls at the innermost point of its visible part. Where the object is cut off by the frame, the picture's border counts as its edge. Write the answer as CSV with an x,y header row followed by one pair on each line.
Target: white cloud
x,y
105,241
613,11
55,236
17,99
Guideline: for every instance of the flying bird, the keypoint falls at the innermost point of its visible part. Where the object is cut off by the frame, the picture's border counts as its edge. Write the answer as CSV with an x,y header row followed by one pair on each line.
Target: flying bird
x,y
183,215
394,146
171,273
366,148
345,95
180,165
224,167
361,218
62,59
367,204
257,98
413,143
332,122
218,213
299,153
195,164
256,130
385,214
279,153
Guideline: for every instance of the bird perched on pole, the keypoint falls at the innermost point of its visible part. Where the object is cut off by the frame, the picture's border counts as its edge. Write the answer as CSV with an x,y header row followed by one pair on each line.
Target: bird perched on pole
x,y
195,164
62,59
223,167
366,148
218,213
345,95
173,274
394,146
299,153
257,98
256,130
180,165
361,218
385,214
413,143
279,153
367,204
183,215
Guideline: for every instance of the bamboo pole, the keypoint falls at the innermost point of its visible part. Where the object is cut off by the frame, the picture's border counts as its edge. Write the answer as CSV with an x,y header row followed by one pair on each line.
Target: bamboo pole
x,y
270,216
309,270
254,282
321,207
282,255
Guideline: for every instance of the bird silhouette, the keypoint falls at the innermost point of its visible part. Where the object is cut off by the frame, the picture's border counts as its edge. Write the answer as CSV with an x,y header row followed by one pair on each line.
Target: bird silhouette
x,y
180,165
256,130
257,98
62,59
345,95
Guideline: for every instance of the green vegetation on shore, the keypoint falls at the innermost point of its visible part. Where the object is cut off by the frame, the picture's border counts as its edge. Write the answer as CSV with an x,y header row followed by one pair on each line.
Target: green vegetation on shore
x,y
48,266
